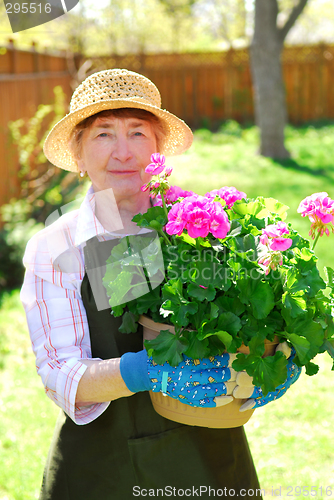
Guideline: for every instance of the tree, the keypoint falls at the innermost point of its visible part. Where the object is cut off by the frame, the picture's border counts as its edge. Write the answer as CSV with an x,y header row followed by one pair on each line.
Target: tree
x,y
178,11
226,20
265,50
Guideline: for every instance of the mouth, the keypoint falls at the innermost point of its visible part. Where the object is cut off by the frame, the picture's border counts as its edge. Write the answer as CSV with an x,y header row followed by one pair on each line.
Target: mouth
x,y
122,172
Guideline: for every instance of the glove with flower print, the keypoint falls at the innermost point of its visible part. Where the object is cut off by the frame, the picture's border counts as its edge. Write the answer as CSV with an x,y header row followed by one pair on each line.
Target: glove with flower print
x,y
193,382
244,388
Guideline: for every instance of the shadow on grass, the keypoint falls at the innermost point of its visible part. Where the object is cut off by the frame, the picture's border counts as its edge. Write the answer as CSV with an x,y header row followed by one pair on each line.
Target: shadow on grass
x,y
291,164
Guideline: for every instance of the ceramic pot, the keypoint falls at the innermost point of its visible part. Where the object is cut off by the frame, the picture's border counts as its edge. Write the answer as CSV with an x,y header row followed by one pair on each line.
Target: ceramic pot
x,y
219,418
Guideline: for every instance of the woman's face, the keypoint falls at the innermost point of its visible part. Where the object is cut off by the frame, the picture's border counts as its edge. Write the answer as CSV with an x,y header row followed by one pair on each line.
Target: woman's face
x,y
115,153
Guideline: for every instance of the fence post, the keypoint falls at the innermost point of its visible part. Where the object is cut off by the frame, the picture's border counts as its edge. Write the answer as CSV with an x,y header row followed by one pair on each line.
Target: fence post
x,y
13,57
36,65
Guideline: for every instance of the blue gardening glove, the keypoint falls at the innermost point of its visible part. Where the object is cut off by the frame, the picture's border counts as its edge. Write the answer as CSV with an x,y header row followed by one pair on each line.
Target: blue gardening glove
x,y
193,382
245,389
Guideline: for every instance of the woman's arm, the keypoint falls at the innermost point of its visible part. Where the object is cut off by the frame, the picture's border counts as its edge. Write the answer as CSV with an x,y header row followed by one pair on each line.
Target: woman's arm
x,y
60,338
101,382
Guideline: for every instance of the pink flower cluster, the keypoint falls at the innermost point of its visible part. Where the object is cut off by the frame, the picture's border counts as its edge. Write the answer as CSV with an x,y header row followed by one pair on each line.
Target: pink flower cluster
x,y
229,194
155,168
273,237
199,215
319,208
272,261
172,195
157,165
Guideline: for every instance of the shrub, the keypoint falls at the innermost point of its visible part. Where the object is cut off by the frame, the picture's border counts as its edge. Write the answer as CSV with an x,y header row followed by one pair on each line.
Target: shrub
x,y
43,188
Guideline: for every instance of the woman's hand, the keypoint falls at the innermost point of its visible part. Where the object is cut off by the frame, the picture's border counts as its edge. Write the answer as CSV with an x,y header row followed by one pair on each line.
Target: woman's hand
x,y
101,382
193,382
244,389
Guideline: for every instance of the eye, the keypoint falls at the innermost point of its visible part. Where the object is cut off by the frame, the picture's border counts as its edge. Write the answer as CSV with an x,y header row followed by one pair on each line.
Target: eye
x,y
138,134
103,134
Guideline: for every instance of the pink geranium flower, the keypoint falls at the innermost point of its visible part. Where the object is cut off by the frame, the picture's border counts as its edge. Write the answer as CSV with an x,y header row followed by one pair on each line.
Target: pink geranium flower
x,y
176,220
229,194
199,215
280,244
276,230
271,261
198,223
273,236
157,165
319,208
172,195
219,225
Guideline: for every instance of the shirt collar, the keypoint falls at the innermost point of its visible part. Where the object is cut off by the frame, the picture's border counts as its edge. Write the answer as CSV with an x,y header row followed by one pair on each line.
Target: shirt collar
x,y
88,225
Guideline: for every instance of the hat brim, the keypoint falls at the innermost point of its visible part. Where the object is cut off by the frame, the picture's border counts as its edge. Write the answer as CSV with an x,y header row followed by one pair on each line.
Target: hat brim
x,y
178,136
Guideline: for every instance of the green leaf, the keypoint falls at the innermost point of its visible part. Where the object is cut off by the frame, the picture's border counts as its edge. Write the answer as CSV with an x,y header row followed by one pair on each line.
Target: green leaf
x,y
232,304
149,301
129,323
214,311
311,368
329,345
205,273
330,277
295,302
270,325
274,206
301,345
175,304
173,290
166,347
197,349
295,283
117,311
316,282
268,373
247,208
199,293
247,246
127,286
225,337
259,294
229,322
153,215
256,345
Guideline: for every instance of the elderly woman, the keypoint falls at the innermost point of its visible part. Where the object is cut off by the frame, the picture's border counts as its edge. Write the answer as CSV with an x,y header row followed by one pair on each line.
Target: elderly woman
x,y
108,441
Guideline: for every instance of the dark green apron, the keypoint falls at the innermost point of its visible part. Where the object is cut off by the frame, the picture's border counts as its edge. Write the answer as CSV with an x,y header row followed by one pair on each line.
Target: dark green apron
x,y
130,445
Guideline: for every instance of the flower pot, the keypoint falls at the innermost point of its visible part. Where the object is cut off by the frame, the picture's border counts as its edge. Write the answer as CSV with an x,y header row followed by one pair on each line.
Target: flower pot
x,y
220,418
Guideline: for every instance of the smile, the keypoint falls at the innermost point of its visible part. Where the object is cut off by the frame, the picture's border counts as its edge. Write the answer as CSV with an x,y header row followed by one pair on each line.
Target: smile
x,y
122,172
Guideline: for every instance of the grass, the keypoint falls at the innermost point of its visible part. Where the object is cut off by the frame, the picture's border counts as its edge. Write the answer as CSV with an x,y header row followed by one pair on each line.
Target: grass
x,y
291,439
229,158
27,416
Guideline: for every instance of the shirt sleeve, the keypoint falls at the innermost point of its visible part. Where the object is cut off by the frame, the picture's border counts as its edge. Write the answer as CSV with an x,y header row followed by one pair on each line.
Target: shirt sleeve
x,y
58,329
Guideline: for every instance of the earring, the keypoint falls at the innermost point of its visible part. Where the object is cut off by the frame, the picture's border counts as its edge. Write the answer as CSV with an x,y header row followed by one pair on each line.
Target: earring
x,y
82,174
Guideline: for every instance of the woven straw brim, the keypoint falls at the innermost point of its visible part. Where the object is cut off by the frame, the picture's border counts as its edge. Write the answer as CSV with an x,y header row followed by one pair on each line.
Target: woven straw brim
x,y
178,136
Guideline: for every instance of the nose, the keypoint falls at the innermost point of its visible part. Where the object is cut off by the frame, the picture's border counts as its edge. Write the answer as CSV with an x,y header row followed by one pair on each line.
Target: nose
x,y
121,150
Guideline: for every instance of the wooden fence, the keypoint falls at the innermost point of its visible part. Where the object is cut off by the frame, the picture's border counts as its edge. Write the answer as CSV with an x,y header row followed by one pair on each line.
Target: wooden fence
x,y
211,87
27,79
201,88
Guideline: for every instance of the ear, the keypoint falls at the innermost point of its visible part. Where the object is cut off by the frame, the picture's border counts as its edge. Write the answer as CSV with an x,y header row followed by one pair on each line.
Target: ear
x,y
81,164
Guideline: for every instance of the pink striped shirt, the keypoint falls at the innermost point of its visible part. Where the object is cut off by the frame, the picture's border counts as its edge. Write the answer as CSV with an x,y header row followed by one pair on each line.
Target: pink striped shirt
x,y
56,316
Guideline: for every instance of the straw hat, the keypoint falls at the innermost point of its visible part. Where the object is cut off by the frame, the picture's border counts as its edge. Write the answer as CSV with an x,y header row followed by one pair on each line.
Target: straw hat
x,y
113,89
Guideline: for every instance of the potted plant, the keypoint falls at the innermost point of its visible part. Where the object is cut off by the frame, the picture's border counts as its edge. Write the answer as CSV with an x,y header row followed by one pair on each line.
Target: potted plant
x,y
221,273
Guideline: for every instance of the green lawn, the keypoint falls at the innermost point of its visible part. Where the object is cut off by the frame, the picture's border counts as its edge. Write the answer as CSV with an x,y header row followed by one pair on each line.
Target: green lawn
x,y
230,159
291,439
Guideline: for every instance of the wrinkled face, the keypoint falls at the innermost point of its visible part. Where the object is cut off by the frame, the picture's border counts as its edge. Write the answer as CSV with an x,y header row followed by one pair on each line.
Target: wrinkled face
x,y
115,153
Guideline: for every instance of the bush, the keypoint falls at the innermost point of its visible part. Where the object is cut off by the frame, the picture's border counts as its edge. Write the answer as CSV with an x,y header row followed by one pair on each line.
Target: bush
x,y
44,188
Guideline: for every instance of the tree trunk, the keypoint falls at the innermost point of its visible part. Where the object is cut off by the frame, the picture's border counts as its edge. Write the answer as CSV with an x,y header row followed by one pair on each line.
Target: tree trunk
x,y
270,102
